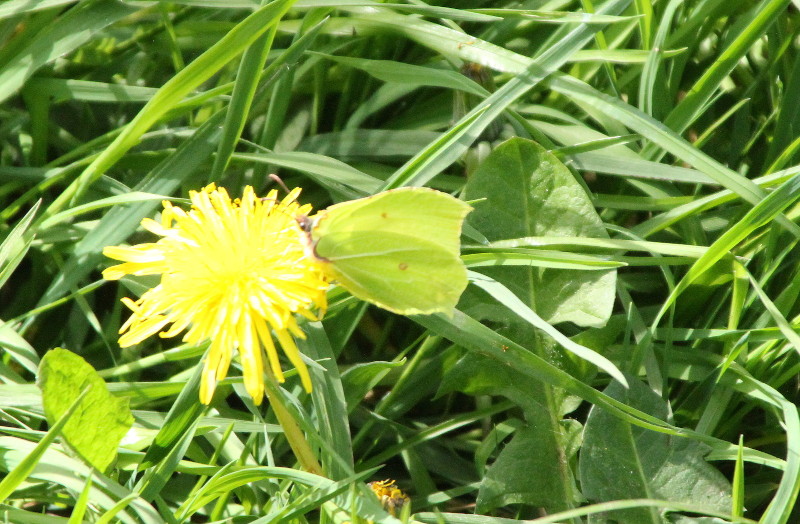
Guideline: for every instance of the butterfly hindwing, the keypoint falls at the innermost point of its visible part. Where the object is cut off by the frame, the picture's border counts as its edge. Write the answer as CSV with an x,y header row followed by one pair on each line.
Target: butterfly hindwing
x,y
418,211
398,273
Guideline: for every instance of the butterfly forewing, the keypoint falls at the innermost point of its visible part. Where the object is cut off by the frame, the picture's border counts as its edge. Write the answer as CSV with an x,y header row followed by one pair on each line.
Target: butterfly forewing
x,y
417,211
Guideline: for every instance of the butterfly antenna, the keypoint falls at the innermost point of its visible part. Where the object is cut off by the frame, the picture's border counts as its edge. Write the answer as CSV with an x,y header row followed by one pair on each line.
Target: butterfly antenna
x,y
278,180
305,223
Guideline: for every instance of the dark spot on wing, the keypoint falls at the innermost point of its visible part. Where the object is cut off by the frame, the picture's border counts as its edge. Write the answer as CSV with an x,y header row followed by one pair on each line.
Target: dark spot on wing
x,y
402,266
384,215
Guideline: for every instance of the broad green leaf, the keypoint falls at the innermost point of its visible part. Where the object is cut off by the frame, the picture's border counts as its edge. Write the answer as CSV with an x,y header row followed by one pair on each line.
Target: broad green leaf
x,y
520,190
622,461
480,339
682,519
503,295
529,192
509,479
586,511
102,420
533,447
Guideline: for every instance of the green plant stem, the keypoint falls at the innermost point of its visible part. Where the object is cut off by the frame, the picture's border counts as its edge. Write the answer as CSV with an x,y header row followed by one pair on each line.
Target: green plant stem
x,y
302,450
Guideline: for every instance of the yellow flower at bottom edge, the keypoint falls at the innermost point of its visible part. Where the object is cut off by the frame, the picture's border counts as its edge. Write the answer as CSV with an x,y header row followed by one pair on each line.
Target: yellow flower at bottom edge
x,y
234,272
390,496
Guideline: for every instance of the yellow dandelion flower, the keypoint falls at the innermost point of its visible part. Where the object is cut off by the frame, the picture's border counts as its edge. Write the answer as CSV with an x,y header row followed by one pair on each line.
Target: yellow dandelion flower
x,y
391,497
234,272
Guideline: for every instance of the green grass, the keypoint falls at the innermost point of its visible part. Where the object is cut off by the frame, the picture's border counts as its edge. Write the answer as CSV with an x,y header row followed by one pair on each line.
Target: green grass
x,y
627,350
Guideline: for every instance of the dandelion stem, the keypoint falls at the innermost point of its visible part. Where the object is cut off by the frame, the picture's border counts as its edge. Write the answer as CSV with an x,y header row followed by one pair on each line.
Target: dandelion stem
x,y
297,441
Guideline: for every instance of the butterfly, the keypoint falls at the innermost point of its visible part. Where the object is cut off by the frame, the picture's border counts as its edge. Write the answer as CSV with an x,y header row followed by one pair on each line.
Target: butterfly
x,y
399,249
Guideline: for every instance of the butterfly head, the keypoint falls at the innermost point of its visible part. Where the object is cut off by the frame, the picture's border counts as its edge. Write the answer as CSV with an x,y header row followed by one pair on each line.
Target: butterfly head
x,y
307,224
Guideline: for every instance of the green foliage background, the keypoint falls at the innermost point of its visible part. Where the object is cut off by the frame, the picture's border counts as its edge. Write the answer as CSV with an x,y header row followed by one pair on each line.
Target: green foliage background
x,y
626,351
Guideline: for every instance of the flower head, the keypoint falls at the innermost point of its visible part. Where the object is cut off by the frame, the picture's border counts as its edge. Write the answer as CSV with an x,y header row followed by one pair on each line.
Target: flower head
x,y
392,499
234,272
